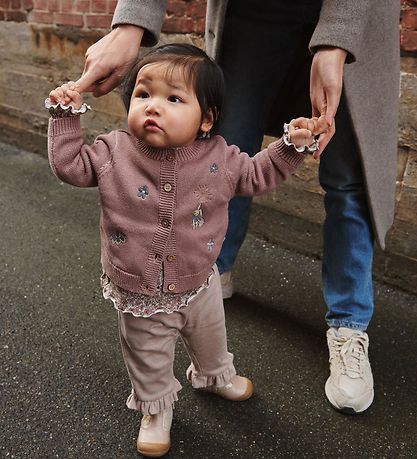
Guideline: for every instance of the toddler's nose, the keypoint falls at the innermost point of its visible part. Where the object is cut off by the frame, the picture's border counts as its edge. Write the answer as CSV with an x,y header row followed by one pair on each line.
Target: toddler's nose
x,y
152,108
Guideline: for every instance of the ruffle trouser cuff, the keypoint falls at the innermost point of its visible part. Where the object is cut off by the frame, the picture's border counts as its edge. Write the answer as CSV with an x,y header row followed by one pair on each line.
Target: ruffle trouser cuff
x,y
154,406
200,381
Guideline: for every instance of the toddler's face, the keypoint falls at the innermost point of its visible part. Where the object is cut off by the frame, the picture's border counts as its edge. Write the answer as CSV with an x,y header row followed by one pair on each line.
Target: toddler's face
x,y
164,111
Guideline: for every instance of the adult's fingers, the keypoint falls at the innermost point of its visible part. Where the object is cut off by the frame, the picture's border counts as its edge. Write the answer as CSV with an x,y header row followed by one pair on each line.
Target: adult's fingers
x,y
324,139
88,81
332,101
105,86
321,125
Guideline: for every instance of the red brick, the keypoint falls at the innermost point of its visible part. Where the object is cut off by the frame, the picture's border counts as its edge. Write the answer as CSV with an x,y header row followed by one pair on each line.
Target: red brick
x,y
192,10
197,10
15,4
16,16
177,8
5,4
409,18
69,19
183,25
27,5
98,20
98,6
67,6
2,16
53,6
111,6
409,40
40,5
82,6
41,17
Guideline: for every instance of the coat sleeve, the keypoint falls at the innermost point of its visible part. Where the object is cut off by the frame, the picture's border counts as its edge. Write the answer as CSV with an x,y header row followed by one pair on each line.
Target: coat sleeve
x,y
342,24
147,14
251,176
70,159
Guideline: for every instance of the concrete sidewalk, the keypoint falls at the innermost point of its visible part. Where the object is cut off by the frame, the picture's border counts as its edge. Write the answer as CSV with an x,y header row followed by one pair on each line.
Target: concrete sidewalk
x,y
63,383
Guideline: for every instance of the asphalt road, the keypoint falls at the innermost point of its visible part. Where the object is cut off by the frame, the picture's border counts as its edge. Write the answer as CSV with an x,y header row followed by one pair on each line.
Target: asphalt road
x,y
63,384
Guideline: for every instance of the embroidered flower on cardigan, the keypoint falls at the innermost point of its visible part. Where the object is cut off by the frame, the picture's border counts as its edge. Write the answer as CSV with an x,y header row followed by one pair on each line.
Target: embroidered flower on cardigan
x,y
118,238
214,168
203,194
210,245
143,191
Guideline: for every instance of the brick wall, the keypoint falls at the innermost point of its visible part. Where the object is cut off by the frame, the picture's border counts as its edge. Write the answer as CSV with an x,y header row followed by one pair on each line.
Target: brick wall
x,y
183,16
409,25
15,10
79,13
49,39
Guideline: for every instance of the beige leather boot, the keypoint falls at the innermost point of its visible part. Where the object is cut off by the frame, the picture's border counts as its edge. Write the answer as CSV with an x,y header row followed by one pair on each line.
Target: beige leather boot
x,y
154,438
238,389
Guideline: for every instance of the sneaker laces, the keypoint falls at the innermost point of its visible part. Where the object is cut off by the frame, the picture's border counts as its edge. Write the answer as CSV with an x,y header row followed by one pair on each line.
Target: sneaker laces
x,y
349,353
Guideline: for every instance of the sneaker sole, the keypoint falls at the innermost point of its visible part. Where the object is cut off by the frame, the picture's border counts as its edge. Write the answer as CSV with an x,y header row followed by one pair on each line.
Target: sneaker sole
x,y
347,409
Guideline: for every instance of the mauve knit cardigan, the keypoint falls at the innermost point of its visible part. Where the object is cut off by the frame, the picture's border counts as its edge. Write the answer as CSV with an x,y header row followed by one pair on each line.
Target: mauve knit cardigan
x,y
163,208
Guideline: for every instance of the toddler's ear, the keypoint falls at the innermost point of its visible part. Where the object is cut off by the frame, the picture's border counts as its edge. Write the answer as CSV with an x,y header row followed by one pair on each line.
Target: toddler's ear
x,y
207,122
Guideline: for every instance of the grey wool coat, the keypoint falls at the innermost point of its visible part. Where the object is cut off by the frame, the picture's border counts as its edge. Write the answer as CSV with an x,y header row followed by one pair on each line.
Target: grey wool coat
x,y
369,31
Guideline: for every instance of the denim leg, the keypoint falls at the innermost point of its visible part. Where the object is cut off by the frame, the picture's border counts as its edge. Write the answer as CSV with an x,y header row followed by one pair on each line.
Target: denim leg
x,y
259,43
347,234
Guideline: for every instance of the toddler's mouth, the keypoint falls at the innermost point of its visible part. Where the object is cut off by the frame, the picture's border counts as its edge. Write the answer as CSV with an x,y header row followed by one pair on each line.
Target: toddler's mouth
x,y
151,125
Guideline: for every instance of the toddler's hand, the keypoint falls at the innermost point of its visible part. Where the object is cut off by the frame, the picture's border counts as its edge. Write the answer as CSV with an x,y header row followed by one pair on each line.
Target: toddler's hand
x,y
303,131
66,95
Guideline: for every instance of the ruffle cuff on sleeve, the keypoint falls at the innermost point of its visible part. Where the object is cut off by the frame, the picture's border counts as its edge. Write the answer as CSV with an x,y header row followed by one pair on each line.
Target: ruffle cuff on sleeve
x,y
65,111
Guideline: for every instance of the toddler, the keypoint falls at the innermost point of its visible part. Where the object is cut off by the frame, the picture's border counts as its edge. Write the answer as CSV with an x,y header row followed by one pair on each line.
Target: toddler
x,y
164,188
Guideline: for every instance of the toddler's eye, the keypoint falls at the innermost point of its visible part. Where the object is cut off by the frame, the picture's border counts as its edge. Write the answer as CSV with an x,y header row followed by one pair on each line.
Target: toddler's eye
x,y
142,95
175,99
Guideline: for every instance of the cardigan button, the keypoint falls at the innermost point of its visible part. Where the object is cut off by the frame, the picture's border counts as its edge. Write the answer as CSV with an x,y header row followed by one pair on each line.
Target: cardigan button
x,y
171,258
165,223
167,187
170,157
171,287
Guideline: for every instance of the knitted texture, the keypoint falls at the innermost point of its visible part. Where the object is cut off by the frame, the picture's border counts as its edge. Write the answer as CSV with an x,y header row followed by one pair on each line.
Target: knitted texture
x,y
163,209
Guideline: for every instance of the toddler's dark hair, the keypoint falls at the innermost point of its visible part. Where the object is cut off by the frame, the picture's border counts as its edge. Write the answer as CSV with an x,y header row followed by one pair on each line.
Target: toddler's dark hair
x,y
200,71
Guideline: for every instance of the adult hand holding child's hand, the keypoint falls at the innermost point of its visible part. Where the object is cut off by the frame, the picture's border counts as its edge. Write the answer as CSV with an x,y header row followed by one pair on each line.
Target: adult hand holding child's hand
x,y
303,131
66,95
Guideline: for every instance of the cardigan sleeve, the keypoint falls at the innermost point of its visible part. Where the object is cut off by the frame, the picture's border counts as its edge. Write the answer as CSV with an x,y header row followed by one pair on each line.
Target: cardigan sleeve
x,y
251,176
71,160
147,14
342,24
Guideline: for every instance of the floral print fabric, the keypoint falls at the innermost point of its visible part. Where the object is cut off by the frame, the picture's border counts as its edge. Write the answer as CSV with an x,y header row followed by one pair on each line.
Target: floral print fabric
x,y
141,305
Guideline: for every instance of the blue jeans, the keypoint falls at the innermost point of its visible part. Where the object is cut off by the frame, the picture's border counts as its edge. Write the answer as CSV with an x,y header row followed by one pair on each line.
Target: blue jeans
x,y
259,45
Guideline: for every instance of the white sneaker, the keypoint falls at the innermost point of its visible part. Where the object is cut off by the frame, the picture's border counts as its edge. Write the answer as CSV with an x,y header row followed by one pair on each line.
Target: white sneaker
x,y
350,387
227,284
154,434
